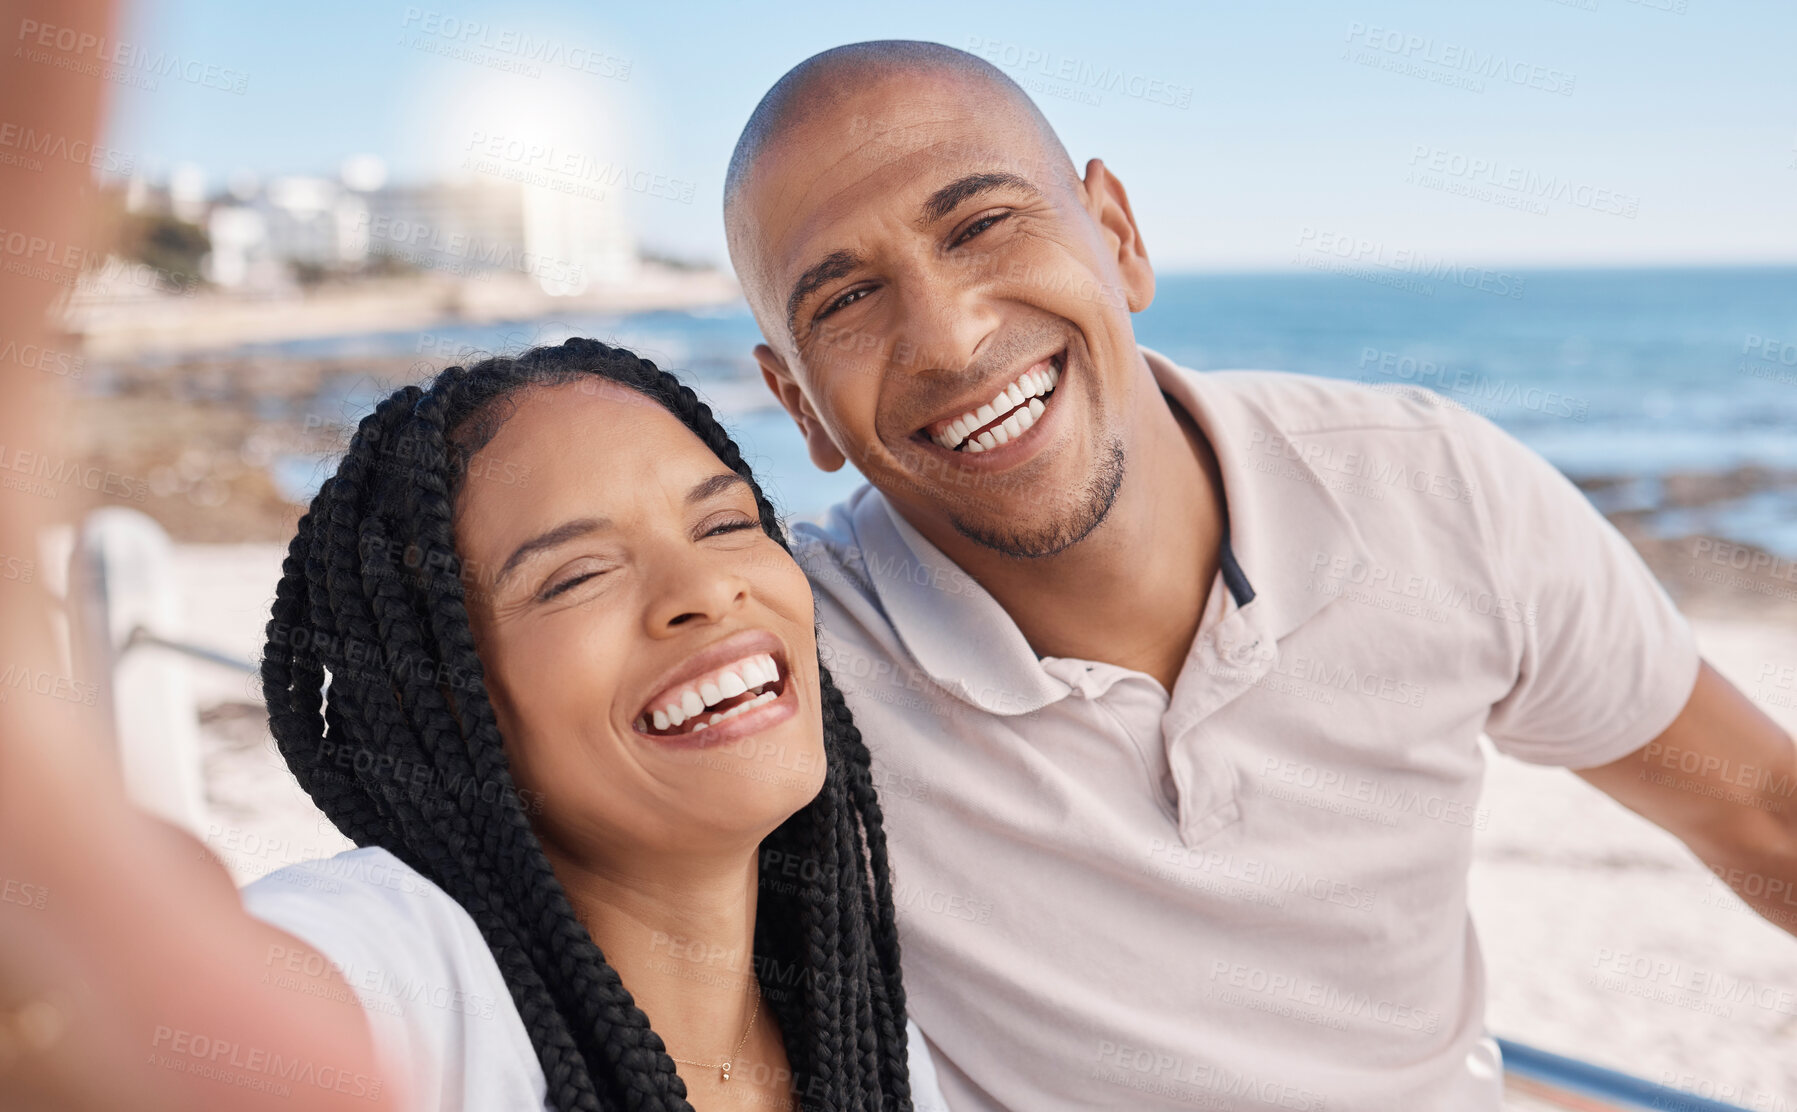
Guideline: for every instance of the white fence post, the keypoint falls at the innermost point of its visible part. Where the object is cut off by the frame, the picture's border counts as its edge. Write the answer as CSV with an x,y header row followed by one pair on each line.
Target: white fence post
x,y
121,581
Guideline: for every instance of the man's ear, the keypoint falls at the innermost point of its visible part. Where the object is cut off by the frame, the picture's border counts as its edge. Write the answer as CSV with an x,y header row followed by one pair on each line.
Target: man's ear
x,y
780,380
1109,206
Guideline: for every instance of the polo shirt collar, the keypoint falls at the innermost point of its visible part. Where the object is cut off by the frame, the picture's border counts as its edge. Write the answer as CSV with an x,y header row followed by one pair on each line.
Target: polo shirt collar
x,y
1277,520
1275,524
954,629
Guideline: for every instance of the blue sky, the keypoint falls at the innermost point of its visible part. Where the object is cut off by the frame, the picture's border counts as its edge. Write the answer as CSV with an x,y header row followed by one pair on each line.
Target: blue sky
x,y
1601,132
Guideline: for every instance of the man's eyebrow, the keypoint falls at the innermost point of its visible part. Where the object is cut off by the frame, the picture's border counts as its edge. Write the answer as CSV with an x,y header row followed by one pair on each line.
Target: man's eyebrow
x,y
542,542
949,197
935,207
830,267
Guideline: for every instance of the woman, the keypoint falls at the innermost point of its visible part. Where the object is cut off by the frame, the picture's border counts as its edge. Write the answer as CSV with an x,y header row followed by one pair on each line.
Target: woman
x,y
539,648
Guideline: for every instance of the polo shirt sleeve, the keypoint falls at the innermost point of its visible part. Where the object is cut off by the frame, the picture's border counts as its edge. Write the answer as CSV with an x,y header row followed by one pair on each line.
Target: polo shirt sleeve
x,y
1606,661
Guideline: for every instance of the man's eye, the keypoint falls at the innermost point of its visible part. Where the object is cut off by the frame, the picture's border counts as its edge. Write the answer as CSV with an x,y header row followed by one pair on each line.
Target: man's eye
x,y
844,301
978,226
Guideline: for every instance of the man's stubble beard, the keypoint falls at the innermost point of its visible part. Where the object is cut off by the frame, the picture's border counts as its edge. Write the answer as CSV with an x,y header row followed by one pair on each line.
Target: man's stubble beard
x,y
1097,496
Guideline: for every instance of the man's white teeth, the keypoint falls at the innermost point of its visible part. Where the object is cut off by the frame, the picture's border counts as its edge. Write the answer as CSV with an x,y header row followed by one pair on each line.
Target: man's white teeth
x,y
727,683
1021,400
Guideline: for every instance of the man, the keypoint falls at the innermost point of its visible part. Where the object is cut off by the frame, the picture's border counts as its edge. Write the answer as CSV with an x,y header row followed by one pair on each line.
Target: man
x,y
1176,681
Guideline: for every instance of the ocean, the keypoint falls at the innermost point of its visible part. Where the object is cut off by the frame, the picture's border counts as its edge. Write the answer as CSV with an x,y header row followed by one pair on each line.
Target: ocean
x,y
1634,375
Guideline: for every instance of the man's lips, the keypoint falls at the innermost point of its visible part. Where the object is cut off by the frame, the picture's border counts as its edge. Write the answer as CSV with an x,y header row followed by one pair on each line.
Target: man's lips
x,y
1004,417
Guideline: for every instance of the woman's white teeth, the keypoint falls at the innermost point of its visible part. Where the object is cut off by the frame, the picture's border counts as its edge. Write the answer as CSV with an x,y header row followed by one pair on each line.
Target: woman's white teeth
x,y
727,683
1021,400
764,697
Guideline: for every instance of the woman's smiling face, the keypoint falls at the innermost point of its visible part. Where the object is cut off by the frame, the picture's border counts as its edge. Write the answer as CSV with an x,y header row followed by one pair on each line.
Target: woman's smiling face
x,y
649,651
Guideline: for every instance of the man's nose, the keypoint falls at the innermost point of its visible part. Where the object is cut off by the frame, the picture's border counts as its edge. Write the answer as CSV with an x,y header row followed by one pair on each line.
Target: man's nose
x,y
947,314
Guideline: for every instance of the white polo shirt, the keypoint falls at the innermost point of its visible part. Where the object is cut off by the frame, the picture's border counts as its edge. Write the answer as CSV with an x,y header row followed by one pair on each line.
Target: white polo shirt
x,y
1252,894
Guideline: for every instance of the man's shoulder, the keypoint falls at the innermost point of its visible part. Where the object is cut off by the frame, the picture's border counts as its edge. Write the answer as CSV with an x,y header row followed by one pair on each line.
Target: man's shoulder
x,y
829,545
1300,415
851,553
1305,404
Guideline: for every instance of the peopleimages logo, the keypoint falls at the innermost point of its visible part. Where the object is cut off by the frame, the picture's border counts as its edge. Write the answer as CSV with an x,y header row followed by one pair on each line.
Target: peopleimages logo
x,y
466,38
117,60
1493,177
1349,250
1473,385
1080,75
1460,59
33,145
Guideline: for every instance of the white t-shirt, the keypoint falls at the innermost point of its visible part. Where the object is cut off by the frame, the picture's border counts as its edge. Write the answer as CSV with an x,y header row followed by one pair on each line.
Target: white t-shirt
x,y
437,1004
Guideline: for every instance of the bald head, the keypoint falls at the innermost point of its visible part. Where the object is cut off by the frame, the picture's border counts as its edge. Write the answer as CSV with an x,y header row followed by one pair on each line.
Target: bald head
x,y
833,83
826,81
917,247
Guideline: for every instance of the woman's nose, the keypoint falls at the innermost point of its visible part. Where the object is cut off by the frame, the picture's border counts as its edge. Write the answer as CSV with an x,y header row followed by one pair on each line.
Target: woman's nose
x,y
694,592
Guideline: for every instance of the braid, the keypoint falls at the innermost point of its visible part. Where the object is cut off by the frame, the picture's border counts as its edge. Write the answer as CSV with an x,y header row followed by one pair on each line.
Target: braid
x,y
393,640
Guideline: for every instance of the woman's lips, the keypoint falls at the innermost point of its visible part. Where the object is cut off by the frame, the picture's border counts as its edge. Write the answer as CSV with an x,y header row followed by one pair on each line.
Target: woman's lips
x,y
737,727
707,694
720,704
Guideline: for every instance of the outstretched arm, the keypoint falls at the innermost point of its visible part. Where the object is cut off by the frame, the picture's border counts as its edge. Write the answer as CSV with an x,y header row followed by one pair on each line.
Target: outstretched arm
x,y
130,974
1723,777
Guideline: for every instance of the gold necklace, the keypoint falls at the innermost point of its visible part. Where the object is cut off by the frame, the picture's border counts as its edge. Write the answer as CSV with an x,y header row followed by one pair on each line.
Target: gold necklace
x,y
724,1066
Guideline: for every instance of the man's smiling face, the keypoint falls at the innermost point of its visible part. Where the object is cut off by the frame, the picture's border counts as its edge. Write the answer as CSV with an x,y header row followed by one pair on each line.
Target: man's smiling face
x,y
947,304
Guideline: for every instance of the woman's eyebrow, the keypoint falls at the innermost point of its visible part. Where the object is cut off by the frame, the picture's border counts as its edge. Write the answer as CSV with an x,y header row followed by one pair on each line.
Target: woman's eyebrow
x,y
542,542
714,486
583,526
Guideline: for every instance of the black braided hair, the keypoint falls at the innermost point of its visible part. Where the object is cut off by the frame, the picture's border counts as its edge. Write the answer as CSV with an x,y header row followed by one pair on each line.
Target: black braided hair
x,y
372,602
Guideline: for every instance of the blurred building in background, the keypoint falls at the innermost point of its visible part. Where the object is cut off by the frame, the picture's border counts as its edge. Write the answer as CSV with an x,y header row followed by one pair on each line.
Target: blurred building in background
x,y
271,236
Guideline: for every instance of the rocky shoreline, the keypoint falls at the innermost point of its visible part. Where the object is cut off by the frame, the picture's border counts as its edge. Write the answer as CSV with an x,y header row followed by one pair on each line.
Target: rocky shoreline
x,y
215,446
